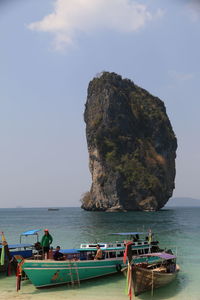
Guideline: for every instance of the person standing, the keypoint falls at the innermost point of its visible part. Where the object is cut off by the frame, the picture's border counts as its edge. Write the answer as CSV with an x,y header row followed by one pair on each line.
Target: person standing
x,y
46,242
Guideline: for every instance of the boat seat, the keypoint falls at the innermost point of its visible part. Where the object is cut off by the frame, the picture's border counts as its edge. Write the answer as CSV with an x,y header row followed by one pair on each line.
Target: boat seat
x,y
160,269
37,256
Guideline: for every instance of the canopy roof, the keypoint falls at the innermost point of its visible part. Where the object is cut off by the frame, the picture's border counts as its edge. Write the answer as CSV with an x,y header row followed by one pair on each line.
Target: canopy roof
x,y
128,233
14,246
163,255
69,251
104,249
30,232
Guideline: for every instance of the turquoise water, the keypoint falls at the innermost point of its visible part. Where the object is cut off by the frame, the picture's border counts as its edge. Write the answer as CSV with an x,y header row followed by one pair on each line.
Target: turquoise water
x,y
178,228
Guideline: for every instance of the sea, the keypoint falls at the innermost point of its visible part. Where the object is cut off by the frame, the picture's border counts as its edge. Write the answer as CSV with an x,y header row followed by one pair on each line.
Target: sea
x,y
176,228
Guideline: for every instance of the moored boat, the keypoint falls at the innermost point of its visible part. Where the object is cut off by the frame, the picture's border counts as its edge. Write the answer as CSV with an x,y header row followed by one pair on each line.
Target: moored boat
x,y
8,251
81,266
150,276
5,256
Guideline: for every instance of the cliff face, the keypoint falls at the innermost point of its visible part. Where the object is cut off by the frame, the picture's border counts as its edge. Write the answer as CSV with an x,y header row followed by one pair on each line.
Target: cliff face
x,y
131,144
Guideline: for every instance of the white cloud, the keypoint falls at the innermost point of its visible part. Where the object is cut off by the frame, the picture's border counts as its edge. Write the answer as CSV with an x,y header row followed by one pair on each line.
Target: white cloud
x,y
71,17
193,10
181,76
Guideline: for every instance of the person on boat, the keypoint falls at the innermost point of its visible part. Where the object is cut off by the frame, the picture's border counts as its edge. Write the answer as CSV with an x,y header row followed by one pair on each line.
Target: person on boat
x,y
137,237
46,242
171,266
99,253
38,247
57,254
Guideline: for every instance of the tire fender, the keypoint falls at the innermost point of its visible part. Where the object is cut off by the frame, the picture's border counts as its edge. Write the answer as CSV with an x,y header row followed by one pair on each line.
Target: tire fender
x,y
118,267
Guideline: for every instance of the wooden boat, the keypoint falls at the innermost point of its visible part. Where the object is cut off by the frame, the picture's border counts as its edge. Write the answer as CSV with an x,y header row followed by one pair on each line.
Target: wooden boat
x,y
148,276
22,248
26,250
5,256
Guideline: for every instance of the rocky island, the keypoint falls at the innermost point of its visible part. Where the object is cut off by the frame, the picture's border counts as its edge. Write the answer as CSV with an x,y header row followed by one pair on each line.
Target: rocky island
x,y
131,144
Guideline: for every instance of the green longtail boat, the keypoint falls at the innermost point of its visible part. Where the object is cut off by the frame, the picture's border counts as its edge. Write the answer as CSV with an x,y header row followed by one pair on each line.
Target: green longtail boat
x,y
81,265
44,273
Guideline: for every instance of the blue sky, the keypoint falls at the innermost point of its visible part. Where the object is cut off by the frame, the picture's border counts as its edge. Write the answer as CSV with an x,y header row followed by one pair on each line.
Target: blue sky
x,y
49,52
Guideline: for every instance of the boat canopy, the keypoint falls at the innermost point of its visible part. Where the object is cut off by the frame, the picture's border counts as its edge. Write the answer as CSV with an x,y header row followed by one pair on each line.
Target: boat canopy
x,y
69,251
14,246
162,255
76,251
103,249
127,233
30,232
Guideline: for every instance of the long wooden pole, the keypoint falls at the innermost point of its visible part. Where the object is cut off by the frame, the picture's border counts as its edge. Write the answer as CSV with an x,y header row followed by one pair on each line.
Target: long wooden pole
x,y
152,285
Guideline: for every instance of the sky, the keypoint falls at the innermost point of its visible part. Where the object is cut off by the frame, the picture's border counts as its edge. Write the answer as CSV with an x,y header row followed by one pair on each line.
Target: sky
x,y
49,52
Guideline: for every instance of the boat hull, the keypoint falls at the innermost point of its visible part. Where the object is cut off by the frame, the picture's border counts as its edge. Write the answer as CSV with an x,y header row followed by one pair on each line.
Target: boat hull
x,y
51,273
145,280
44,273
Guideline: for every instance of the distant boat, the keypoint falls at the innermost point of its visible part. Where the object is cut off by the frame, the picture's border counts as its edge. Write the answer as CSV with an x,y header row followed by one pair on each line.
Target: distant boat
x,y
148,277
53,209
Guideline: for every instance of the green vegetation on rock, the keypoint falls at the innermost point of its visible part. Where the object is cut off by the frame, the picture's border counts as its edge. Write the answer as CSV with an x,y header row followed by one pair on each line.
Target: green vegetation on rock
x,y
131,144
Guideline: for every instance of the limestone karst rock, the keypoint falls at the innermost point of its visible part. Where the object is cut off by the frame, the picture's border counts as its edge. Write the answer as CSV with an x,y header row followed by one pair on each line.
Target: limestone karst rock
x,y
131,144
